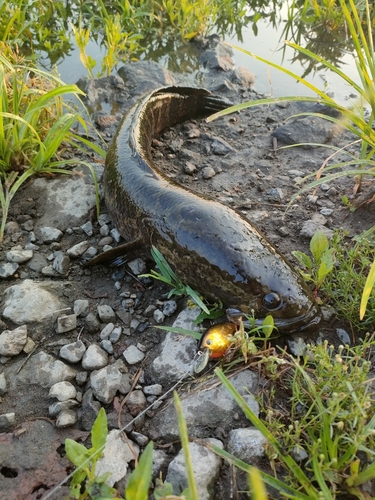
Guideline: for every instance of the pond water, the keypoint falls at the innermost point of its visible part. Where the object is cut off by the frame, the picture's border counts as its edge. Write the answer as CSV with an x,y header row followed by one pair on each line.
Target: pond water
x,y
266,40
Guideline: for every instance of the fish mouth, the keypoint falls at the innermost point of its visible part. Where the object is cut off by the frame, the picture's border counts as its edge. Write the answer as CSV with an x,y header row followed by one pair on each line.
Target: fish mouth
x,y
306,323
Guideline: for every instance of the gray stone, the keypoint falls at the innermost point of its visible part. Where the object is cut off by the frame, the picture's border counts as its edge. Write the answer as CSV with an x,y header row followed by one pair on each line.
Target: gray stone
x,y
125,383
61,263
81,378
189,168
169,307
7,422
3,384
207,409
208,172
29,346
45,370
247,444
63,391
133,355
178,351
90,253
31,301
275,195
106,313
65,200
342,335
116,456
66,418
73,352
115,334
206,468
94,358
37,262
105,383
81,307
297,345
90,410
139,438
87,228
144,76
13,341
136,402
160,461
7,269
106,344
107,330
299,454
115,234
153,390
137,266
66,323
158,316
50,234
18,255
78,249
92,323
309,228
58,406
244,77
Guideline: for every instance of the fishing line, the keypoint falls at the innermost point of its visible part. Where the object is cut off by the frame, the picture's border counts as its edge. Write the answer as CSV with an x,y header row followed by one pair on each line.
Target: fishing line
x,y
184,375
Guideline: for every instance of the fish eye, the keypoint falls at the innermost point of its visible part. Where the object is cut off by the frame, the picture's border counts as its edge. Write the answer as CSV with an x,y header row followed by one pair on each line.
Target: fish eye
x,y
208,342
271,301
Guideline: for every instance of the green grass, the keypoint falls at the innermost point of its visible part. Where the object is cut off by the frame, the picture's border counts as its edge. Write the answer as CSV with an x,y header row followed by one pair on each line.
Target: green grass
x,y
35,128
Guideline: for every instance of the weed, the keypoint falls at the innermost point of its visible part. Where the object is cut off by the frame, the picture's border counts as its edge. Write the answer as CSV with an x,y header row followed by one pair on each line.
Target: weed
x,y
86,484
318,269
168,276
332,419
35,127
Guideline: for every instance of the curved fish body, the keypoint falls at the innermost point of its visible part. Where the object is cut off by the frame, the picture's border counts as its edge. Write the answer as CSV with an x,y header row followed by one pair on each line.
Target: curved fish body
x,y
211,247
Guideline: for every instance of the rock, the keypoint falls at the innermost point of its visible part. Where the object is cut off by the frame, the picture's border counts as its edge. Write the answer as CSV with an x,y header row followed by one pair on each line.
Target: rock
x,y
45,370
87,228
63,391
341,333
137,266
92,323
94,358
144,76
297,345
3,384
66,200
115,234
207,409
29,346
66,418
7,422
219,146
81,378
107,330
136,402
206,468
158,316
178,351
106,313
7,269
77,250
49,234
81,307
160,462
55,408
133,355
66,323
243,77
309,228
18,255
31,301
105,383
89,410
12,342
153,390
116,456
106,344
115,334
218,56
139,438
73,352
247,444
61,263
169,307
275,195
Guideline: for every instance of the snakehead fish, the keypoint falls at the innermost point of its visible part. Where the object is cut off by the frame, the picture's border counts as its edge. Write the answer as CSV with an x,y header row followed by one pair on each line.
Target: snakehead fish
x,y
210,246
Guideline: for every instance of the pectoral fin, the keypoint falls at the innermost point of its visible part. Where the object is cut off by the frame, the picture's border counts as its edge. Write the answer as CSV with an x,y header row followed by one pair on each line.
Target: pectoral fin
x,y
119,255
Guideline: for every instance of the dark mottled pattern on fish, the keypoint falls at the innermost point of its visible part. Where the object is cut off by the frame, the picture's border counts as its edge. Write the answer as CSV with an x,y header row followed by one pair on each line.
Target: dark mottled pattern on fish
x,y
211,247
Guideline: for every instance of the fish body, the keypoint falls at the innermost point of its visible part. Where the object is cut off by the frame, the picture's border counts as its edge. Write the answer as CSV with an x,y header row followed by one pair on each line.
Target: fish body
x,y
210,246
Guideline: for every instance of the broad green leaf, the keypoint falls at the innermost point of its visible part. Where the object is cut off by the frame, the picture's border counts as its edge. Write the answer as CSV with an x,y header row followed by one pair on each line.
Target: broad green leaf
x,y
140,479
303,259
99,431
318,245
76,452
268,325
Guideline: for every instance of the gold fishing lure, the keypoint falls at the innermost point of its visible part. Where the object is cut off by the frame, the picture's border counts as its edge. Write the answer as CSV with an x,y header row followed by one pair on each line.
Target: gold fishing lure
x,y
214,344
